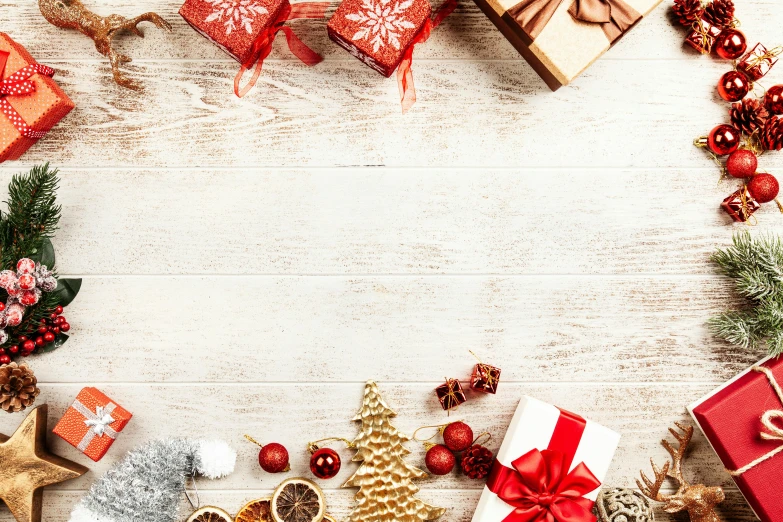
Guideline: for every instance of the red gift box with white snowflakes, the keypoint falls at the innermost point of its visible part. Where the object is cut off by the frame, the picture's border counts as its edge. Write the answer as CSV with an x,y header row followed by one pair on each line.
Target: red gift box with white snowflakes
x,y
246,29
382,34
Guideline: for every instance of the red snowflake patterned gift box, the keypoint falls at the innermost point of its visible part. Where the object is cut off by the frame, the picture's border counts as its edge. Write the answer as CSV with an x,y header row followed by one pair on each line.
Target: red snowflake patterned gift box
x,y
92,423
246,29
382,34
30,101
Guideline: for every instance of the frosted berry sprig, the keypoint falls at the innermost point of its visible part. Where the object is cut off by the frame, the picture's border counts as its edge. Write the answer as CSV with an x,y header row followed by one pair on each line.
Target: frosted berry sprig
x,y
756,126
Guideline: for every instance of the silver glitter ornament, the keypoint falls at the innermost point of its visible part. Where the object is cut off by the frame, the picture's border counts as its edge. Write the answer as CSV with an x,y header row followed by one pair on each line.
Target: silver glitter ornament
x,y
623,505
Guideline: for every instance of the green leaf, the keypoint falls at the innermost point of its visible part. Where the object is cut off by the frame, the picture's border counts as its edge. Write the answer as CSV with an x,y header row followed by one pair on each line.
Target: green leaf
x,y
44,254
66,290
59,340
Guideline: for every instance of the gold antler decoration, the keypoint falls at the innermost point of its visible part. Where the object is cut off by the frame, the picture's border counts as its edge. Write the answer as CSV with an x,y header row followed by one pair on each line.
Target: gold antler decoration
x,y
72,14
699,500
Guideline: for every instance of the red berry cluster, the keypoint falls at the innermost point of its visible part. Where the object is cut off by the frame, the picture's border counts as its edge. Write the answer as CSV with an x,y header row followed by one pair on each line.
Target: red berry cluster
x,y
755,123
44,335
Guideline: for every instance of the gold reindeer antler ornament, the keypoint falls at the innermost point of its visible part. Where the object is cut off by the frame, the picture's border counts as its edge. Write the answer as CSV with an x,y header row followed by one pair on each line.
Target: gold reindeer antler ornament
x,y
698,500
72,14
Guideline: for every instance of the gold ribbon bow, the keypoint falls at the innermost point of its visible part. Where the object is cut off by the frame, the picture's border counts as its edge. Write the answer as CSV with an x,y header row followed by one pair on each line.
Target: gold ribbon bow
x,y
773,431
614,16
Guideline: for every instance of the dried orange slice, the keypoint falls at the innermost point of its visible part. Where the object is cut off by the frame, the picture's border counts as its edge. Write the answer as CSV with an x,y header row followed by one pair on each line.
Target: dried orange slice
x,y
329,518
210,514
298,500
257,510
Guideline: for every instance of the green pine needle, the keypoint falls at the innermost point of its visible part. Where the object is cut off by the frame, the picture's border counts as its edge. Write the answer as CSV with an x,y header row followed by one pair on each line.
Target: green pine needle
x,y
756,265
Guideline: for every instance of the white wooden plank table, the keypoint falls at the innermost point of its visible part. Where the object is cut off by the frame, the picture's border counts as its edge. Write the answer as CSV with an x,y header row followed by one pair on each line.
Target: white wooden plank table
x,y
249,263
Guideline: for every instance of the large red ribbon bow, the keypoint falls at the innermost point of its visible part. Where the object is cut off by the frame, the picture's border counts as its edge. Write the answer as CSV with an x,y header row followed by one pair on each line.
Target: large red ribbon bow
x,y
19,84
262,45
541,489
404,73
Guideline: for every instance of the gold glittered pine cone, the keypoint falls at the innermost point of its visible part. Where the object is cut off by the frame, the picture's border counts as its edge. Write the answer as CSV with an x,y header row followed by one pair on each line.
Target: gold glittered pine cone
x,y
720,13
687,11
772,135
18,388
748,115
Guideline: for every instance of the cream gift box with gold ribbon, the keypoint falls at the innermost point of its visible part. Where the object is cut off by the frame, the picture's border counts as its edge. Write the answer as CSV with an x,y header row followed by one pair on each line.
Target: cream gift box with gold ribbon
x,y
562,38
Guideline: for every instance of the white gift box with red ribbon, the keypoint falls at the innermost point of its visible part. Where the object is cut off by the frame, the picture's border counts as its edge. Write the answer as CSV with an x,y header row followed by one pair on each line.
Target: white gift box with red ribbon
x,y
543,440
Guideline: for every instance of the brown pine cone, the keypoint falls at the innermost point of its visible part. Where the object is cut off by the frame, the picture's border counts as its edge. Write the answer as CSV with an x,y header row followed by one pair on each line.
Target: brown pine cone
x,y
18,388
748,115
720,13
477,461
772,136
687,11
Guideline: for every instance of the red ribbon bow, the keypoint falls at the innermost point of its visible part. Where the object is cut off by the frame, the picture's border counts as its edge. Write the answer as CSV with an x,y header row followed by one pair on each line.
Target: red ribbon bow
x,y
404,73
540,488
19,84
262,45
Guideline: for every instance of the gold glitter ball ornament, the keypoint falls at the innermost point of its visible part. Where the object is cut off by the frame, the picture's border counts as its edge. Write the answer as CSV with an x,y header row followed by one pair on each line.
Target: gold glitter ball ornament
x,y
385,481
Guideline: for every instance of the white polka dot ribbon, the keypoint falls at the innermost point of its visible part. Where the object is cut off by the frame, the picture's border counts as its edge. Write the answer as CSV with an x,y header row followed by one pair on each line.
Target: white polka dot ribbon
x,y
19,84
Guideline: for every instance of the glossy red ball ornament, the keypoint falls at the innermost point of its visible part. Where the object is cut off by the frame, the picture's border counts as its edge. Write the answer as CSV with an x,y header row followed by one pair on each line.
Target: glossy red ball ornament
x,y
742,164
440,460
273,458
325,463
763,187
458,436
733,86
731,44
723,140
773,100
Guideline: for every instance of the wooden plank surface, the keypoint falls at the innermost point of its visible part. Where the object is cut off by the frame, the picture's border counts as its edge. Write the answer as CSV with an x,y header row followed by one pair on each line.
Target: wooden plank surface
x,y
249,263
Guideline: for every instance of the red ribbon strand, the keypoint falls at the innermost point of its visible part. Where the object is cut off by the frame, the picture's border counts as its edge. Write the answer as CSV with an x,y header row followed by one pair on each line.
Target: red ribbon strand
x,y
540,489
262,45
19,84
404,72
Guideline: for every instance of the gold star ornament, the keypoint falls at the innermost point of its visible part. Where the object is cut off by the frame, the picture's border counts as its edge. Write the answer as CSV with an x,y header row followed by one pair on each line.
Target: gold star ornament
x,y
27,467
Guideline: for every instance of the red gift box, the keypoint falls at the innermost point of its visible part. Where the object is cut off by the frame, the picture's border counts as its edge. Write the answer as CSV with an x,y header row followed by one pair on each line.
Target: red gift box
x,y
92,423
246,29
740,205
30,101
485,378
450,394
758,62
703,36
742,422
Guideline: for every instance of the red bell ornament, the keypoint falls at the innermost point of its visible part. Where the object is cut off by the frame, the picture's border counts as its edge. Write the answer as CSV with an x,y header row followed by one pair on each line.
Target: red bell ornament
x,y
723,140
742,164
731,44
733,86
773,100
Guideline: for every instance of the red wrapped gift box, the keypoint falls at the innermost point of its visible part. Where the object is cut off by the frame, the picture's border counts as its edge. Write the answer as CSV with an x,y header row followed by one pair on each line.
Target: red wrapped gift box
x,y
92,423
740,205
758,62
450,394
703,36
30,102
742,421
485,378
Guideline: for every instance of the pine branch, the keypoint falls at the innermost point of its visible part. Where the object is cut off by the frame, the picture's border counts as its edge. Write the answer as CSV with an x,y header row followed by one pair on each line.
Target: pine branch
x,y
32,214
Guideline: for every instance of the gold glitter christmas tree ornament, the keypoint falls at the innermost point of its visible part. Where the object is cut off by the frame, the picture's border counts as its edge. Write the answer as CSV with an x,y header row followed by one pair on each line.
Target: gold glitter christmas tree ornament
x,y
385,481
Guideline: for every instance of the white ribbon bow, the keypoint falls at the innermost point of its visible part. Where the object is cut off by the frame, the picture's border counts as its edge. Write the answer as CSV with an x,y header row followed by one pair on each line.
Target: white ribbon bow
x,y
98,422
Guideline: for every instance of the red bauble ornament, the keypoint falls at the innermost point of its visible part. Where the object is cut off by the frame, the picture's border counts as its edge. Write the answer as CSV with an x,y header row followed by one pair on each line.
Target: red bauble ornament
x,y
723,140
742,164
458,436
731,44
440,460
325,463
763,187
773,100
733,86
273,458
